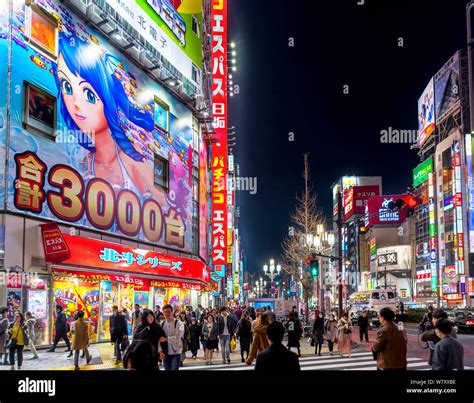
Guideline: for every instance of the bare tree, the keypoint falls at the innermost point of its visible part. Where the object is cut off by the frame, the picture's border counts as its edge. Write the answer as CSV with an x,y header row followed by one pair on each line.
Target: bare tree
x,y
304,220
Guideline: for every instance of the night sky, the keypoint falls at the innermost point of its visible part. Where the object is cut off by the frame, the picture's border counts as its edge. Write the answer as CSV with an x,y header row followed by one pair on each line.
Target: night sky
x,y
300,89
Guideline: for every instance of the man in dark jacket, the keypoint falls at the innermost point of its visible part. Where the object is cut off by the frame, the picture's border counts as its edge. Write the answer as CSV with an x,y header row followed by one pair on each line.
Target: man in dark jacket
x,y
448,353
271,314
226,324
277,358
61,328
391,344
430,335
118,331
363,323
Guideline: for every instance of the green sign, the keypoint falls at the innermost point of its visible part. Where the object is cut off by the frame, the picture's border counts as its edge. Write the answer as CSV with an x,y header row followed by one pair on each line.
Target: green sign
x,y
420,173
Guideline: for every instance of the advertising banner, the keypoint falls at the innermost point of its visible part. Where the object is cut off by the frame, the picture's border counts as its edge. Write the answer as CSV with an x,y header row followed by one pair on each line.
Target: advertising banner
x,y
203,203
167,26
54,246
426,113
355,199
378,212
420,173
87,252
219,162
447,87
100,145
395,257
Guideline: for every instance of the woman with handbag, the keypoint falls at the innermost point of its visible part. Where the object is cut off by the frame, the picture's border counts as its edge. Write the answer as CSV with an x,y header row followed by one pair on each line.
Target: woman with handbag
x,y
330,327
245,335
209,333
318,333
344,332
18,338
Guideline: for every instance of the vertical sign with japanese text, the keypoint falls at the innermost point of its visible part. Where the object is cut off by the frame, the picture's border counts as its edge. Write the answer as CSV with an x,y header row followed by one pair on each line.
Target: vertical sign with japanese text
x,y
219,162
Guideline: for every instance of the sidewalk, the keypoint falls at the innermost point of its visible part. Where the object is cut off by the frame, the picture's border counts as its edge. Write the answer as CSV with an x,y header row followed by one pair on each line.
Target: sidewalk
x,y
102,355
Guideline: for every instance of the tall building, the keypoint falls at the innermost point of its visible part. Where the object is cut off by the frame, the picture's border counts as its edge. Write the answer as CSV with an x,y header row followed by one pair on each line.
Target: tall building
x,y
105,127
350,196
443,181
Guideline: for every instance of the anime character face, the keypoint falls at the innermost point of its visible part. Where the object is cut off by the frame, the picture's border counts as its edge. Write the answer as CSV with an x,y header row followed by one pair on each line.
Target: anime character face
x,y
82,102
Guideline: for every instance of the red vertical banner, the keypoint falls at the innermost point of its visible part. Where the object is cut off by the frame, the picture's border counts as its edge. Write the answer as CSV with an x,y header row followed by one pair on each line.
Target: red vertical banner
x,y
219,162
55,247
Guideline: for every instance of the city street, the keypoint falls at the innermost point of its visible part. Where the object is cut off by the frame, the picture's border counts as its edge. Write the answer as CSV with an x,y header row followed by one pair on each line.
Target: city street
x,y
361,358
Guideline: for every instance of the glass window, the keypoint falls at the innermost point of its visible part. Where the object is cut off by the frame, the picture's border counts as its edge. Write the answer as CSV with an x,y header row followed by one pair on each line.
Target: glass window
x,y
42,30
375,295
195,26
161,115
161,173
39,111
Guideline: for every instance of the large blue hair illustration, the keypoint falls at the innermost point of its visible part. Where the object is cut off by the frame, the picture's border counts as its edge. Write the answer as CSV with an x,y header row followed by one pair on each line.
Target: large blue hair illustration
x,y
98,70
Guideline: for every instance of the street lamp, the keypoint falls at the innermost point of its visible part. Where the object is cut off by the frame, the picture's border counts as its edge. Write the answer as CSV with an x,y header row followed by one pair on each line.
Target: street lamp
x,y
272,270
320,242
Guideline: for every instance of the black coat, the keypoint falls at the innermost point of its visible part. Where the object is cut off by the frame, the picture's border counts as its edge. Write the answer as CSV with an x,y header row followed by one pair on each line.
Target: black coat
x,y
244,331
363,322
195,335
151,333
318,327
118,327
277,359
60,324
231,324
294,332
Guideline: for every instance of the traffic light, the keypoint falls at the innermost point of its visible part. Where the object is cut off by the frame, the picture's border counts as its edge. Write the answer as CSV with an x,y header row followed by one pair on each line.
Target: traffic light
x,y
314,268
409,202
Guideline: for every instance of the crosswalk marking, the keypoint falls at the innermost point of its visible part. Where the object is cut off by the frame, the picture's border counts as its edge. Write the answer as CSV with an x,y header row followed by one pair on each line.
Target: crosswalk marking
x,y
359,361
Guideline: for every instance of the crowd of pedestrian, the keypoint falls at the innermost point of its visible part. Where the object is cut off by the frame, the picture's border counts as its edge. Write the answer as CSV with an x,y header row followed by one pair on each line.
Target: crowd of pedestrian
x,y
163,336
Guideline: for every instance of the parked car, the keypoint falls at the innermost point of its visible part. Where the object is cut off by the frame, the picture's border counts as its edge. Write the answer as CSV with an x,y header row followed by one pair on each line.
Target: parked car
x,y
464,320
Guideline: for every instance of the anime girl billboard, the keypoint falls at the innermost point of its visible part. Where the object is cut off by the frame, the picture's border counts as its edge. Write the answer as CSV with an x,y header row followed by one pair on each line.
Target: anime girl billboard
x,y
96,168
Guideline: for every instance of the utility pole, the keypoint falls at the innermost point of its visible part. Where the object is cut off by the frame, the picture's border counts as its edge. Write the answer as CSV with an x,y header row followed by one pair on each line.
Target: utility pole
x,y
339,251
470,44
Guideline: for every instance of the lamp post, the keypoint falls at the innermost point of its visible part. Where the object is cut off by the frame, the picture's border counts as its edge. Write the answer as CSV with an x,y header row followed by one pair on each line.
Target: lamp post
x,y
320,242
272,271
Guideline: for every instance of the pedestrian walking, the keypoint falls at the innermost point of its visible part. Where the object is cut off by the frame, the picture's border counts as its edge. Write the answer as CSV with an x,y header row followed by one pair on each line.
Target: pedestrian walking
x,y
80,339
174,330
271,314
186,337
17,339
31,322
157,311
318,333
402,308
427,321
62,328
195,330
227,325
210,333
330,327
431,335
118,332
244,332
448,353
148,329
3,335
344,335
276,358
260,339
142,357
390,348
293,325
363,323
136,318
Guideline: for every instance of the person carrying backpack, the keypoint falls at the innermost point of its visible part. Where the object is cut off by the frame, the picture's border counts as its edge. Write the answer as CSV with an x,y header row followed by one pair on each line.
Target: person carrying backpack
x,y
174,331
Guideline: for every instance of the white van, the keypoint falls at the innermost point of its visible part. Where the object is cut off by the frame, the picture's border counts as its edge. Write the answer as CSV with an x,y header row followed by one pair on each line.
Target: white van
x,y
373,300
